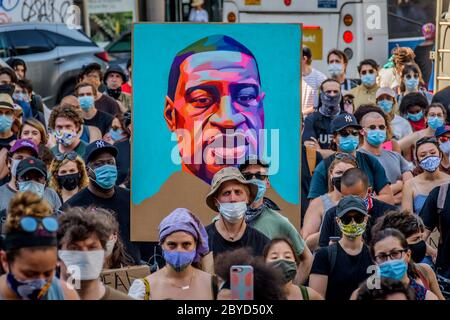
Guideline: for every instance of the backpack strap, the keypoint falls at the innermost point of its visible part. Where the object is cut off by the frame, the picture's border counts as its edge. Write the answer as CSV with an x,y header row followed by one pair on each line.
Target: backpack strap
x,y
147,289
214,286
332,255
311,159
304,290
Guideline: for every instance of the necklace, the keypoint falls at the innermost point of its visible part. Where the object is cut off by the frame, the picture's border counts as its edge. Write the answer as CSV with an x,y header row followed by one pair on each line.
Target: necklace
x,y
186,287
229,234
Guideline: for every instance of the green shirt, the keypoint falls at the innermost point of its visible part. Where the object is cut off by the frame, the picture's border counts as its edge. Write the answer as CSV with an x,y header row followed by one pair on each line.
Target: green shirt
x,y
274,225
80,149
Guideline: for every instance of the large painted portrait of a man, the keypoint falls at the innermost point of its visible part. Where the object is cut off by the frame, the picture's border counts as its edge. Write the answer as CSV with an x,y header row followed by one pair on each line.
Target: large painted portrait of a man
x,y
206,97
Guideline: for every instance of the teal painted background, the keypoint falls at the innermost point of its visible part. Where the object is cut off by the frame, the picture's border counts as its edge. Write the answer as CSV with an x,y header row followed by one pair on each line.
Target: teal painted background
x,y
276,48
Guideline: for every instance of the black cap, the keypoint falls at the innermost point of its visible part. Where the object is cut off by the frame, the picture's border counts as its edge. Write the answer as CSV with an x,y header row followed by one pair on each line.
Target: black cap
x,y
350,203
249,160
344,120
31,164
306,52
99,146
115,69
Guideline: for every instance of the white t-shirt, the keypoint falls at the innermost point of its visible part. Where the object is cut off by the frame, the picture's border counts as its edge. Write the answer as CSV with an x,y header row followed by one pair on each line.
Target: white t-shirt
x,y
400,127
310,88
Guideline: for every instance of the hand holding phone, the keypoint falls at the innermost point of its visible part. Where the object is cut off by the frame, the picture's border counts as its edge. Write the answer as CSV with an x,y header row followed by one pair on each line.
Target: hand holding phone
x,y
241,282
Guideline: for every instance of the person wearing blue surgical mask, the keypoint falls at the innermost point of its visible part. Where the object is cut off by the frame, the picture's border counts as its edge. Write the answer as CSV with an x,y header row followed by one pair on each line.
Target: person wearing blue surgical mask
x,y
411,81
337,67
443,136
366,92
230,196
392,256
434,116
6,120
265,216
376,131
100,159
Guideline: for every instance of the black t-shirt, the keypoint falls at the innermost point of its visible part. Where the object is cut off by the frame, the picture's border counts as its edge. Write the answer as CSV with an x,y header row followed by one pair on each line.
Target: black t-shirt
x,y
318,126
5,143
122,160
251,238
432,219
108,105
118,203
330,227
101,120
443,96
306,180
347,274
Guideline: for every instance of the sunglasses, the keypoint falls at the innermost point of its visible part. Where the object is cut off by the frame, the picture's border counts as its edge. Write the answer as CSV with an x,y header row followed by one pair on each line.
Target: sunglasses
x,y
72,155
444,139
408,76
30,224
250,176
346,219
371,71
341,156
374,127
346,133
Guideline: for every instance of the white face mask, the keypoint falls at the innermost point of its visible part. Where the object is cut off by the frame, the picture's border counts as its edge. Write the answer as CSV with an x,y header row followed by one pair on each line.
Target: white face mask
x,y
233,212
110,247
14,164
89,263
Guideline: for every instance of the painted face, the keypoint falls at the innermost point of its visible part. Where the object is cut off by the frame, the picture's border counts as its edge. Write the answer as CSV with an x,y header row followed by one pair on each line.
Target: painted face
x,y
219,94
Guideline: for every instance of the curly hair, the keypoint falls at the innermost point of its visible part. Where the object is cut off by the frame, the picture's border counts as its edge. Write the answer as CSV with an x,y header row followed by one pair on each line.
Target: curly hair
x,y
78,224
410,100
387,287
365,109
85,84
25,204
56,165
65,111
37,125
402,55
407,223
268,282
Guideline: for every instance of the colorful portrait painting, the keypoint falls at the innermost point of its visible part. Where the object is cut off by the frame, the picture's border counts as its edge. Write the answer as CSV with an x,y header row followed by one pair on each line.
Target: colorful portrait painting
x,y
206,97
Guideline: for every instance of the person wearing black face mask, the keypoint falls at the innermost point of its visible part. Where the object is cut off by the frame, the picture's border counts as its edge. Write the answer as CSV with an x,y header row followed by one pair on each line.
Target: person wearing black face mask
x,y
68,175
317,129
413,229
114,79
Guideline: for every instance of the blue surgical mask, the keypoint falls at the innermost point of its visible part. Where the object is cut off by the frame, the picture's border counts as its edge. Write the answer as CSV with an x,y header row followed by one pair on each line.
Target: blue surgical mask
x,y
86,102
5,123
376,137
32,186
335,69
262,187
233,212
386,105
179,260
106,176
393,269
368,79
435,122
430,164
349,143
14,164
29,289
415,117
411,84
116,135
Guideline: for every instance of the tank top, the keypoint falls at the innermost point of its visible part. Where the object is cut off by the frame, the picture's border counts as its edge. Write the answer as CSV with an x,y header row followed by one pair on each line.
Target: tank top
x,y
85,136
418,289
327,202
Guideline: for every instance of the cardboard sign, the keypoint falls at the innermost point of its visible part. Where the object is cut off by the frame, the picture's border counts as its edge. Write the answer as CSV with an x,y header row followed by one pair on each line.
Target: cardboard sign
x,y
122,279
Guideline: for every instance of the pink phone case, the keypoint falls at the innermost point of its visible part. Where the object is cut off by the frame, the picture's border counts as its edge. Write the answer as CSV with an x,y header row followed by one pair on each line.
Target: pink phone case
x,y
241,278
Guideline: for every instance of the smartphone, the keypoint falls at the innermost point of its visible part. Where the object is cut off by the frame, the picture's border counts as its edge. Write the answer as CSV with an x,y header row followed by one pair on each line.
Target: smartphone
x,y
241,282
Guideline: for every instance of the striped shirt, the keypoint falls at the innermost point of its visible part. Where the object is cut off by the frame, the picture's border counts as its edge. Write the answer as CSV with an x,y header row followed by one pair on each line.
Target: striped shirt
x,y
310,88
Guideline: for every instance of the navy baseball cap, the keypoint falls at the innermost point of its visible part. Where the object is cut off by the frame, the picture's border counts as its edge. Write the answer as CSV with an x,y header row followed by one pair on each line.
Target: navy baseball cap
x,y
442,130
99,146
350,203
31,164
344,120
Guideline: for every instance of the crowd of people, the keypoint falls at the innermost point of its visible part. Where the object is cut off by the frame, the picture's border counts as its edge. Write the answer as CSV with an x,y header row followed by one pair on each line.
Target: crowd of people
x,y
375,216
